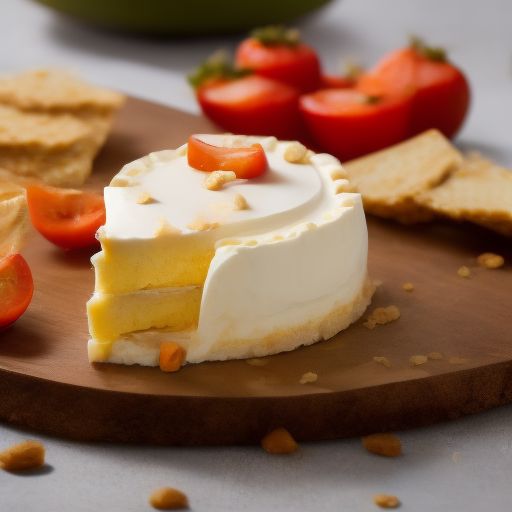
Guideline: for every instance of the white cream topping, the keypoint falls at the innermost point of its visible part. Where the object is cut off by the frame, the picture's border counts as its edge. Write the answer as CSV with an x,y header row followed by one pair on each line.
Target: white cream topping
x,y
295,255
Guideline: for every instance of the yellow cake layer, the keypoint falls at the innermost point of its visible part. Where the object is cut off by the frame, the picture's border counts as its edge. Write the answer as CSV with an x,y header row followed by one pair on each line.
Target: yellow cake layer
x,y
165,261
111,315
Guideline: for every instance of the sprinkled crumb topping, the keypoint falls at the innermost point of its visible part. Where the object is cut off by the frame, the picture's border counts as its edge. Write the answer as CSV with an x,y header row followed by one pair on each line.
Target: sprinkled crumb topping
x,y
240,203
382,360
490,260
199,224
164,228
417,360
386,500
387,445
22,456
279,441
295,152
144,198
463,271
382,316
168,498
216,179
308,377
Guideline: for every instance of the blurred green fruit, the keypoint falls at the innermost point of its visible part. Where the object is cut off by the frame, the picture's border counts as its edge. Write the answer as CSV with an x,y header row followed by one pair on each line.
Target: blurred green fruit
x,y
184,17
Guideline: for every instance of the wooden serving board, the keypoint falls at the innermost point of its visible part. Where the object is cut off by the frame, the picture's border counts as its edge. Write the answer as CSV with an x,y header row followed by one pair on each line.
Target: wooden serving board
x,y
47,383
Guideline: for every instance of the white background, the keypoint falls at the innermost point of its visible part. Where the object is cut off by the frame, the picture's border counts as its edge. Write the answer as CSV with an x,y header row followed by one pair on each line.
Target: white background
x,y
464,465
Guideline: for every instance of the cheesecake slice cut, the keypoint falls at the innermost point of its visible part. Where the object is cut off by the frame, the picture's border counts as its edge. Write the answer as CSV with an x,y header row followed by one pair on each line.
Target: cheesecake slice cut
x,y
255,267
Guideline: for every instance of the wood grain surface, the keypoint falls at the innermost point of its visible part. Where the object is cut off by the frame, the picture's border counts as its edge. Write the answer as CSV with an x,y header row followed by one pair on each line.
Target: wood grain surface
x,y
47,383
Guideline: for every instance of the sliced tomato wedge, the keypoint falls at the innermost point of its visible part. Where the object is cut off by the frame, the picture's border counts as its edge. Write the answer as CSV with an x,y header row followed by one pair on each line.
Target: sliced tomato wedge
x,y
66,217
246,163
253,105
16,288
348,123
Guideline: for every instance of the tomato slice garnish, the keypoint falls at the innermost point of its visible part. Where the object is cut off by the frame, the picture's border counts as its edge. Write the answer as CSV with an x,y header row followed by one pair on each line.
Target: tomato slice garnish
x,y
16,288
66,217
245,162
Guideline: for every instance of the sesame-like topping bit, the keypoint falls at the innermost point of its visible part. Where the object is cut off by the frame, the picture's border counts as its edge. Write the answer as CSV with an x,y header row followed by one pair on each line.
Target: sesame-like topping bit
x,y
117,181
435,355
277,238
199,224
417,360
308,377
311,225
327,216
240,203
408,287
216,179
134,171
382,360
251,243
144,198
22,456
279,441
295,152
490,260
257,361
347,203
341,186
164,228
168,498
293,234
463,271
227,241
383,444
338,173
457,360
386,501
382,316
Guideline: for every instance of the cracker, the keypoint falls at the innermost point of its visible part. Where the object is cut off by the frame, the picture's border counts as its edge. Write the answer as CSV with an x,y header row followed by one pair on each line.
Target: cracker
x,y
57,93
14,219
479,191
57,148
390,179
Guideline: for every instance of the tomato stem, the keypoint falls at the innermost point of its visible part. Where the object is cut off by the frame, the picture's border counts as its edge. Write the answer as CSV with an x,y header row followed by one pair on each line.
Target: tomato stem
x,y
216,67
275,35
436,54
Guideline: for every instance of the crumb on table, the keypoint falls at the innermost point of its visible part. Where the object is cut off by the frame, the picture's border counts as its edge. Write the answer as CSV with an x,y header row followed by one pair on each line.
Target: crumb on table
x,y
463,271
308,377
279,441
417,360
408,287
23,456
387,445
386,500
382,360
490,260
168,498
382,316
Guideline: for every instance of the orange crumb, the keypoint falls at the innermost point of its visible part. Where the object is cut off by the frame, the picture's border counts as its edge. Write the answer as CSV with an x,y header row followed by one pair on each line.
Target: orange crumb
x,y
457,360
308,377
382,316
382,360
386,500
463,271
171,357
383,444
435,355
417,360
22,456
490,260
168,498
279,441
408,287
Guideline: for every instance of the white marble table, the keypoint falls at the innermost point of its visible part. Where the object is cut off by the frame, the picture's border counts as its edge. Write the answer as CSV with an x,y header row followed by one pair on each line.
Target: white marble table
x,y
464,465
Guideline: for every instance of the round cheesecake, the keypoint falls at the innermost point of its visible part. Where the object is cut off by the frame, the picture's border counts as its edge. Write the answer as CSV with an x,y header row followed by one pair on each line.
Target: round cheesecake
x,y
255,267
